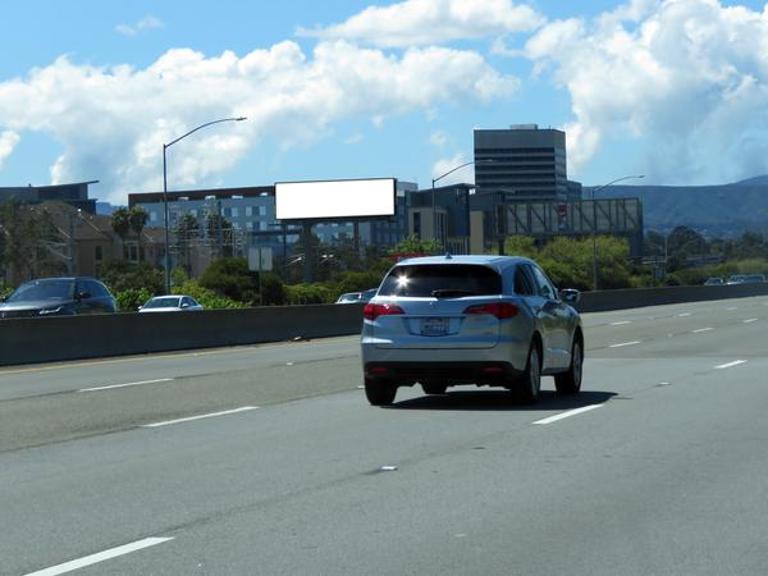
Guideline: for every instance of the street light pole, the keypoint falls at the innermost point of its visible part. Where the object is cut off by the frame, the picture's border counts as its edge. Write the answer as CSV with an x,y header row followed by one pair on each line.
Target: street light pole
x,y
165,192
451,171
594,223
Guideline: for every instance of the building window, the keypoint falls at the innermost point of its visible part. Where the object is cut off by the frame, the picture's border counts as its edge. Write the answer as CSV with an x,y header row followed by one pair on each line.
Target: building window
x,y
152,216
417,224
98,254
249,210
234,212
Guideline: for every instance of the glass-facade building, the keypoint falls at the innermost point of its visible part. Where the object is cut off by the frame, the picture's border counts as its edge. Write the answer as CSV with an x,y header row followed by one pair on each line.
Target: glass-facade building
x,y
524,163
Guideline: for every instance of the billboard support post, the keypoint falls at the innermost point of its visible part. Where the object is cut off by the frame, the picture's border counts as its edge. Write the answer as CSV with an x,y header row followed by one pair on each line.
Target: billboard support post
x,y
306,236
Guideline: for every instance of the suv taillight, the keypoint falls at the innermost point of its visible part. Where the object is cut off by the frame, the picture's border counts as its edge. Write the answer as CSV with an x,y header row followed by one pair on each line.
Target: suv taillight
x,y
373,311
501,310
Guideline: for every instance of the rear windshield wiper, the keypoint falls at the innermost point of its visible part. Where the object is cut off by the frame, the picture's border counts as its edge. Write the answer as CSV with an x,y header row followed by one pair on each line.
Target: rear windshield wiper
x,y
452,293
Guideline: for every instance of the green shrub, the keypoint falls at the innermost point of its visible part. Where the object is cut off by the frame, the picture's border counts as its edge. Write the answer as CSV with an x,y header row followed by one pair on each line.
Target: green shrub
x,y
231,277
310,294
208,298
357,281
121,275
273,292
129,300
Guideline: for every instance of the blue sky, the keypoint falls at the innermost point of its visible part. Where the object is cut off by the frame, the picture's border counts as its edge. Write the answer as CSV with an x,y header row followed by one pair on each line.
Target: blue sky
x,y
676,90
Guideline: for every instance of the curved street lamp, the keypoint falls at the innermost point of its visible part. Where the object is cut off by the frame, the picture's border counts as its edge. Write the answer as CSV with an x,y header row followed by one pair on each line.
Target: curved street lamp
x,y
594,222
165,192
451,171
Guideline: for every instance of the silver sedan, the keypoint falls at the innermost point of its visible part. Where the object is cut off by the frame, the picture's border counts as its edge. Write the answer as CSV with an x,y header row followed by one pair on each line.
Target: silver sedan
x,y
484,320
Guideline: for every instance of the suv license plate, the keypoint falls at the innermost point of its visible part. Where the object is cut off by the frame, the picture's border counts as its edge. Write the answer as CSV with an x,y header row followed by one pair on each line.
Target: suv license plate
x,y
434,327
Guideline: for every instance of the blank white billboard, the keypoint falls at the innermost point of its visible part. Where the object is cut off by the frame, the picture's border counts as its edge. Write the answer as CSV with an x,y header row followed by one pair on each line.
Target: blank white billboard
x,y
335,199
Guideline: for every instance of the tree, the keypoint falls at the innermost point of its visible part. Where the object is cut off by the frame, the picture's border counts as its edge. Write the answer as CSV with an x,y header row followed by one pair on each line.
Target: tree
x,y
30,243
231,277
415,246
137,219
121,222
187,229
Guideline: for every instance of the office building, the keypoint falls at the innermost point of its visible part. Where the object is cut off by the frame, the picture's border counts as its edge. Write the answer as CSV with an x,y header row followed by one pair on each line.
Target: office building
x,y
524,163
76,195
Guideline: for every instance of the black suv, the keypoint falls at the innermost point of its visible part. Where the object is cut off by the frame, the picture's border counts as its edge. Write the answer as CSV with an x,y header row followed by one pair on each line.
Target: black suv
x,y
58,297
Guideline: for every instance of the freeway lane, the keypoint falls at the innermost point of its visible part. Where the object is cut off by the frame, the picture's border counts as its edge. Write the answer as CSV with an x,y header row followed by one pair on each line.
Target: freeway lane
x,y
39,404
45,404
664,478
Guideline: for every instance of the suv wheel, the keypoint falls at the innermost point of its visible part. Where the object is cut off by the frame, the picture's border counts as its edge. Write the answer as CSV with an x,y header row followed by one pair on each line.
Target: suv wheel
x,y
570,382
530,382
380,392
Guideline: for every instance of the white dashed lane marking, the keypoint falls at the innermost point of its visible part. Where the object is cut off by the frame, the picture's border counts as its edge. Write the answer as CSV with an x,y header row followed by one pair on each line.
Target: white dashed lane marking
x,y
730,364
201,416
700,330
99,557
568,414
126,385
623,344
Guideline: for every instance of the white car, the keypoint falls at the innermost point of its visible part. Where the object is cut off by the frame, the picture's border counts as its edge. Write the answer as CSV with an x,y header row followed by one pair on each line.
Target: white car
x,y
171,303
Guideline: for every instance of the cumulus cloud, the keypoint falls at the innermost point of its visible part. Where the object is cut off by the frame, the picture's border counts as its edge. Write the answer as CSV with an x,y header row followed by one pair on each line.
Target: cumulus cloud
x,y
688,77
466,174
438,138
423,22
8,141
147,23
112,122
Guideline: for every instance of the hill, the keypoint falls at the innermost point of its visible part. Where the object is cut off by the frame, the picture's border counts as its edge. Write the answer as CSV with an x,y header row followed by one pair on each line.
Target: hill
x,y
723,210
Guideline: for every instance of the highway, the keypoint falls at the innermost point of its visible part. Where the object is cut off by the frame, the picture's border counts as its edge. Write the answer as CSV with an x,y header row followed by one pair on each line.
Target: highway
x,y
267,460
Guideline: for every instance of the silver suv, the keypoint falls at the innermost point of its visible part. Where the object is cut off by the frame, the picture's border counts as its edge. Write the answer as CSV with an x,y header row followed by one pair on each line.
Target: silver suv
x,y
484,320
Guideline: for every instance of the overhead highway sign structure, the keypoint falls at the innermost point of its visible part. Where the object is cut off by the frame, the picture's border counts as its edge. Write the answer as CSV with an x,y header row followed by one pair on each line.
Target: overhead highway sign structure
x,y
335,199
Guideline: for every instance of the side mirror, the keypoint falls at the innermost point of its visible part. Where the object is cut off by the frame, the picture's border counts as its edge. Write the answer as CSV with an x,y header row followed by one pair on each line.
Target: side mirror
x,y
185,305
570,295
82,295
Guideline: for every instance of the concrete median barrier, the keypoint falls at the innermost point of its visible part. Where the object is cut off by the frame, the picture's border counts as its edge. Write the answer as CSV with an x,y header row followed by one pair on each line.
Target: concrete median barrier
x,y
32,340
35,340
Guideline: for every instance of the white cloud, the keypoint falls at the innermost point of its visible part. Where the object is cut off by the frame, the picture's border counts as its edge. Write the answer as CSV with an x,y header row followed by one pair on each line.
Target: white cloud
x,y
439,138
466,174
689,77
112,122
149,22
8,141
424,22
356,138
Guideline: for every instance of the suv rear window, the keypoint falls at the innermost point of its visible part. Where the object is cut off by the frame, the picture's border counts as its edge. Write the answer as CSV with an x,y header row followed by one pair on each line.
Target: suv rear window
x,y
441,281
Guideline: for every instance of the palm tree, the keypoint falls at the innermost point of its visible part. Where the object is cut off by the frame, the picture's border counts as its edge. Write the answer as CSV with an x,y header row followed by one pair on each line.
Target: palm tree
x,y
137,220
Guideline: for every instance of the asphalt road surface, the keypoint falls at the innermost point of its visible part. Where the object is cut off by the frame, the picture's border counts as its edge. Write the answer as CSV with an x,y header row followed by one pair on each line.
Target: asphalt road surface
x,y
267,460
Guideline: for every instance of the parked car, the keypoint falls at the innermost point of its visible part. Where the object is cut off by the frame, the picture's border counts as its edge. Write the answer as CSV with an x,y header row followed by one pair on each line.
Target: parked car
x,y
714,281
171,303
753,279
483,320
746,279
356,297
58,297
349,298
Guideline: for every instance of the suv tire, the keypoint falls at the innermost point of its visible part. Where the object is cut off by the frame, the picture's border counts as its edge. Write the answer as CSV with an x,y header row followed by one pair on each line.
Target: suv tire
x,y
529,384
380,392
570,382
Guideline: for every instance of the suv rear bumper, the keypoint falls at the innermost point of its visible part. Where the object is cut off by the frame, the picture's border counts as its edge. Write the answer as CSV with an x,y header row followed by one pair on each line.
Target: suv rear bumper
x,y
481,373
